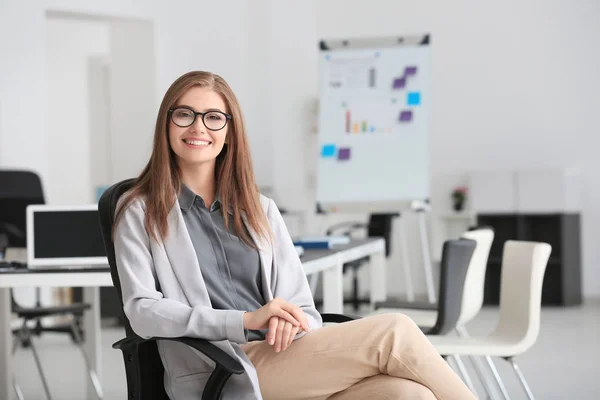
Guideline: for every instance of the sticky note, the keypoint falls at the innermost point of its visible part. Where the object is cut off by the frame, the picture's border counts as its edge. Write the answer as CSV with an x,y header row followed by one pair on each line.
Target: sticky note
x,y
414,98
399,83
344,153
328,150
406,116
412,70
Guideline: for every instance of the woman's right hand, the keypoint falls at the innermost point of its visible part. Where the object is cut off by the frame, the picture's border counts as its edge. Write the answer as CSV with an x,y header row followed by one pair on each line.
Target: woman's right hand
x,y
277,307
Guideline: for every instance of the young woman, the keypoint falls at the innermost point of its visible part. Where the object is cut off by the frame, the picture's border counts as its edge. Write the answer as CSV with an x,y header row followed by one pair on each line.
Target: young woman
x,y
201,253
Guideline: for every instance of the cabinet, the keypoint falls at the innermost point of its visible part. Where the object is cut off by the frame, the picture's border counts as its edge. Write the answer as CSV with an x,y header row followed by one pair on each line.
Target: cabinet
x,y
562,280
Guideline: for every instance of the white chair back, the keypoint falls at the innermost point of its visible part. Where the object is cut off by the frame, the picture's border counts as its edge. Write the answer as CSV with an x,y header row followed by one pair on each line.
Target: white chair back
x,y
472,299
522,276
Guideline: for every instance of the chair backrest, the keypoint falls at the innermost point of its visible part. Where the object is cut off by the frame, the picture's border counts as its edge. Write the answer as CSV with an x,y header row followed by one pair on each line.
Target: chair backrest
x,y
456,257
18,189
21,184
107,206
380,225
523,268
472,299
147,376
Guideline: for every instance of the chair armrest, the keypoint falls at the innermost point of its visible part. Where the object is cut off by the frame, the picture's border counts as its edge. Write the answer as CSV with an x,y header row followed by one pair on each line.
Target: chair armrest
x,y
221,358
337,318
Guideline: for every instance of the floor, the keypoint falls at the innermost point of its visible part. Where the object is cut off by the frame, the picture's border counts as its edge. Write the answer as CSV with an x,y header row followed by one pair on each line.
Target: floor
x,y
563,364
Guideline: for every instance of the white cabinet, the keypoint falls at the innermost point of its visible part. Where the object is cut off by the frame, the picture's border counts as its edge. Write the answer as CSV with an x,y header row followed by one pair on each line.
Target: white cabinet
x,y
550,190
493,191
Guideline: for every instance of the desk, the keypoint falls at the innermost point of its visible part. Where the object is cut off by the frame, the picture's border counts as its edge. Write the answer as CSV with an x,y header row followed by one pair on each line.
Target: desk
x,y
315,261
330,262
90,279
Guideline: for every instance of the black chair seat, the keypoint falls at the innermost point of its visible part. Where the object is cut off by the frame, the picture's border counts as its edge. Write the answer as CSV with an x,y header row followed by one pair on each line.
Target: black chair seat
x,y
37,312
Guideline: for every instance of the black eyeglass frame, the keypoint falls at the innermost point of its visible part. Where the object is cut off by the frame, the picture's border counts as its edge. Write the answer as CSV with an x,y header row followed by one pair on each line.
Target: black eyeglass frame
x,y
227,117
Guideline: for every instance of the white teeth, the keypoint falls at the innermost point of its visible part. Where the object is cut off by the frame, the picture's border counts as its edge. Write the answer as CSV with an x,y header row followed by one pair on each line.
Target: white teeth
x,y
196,142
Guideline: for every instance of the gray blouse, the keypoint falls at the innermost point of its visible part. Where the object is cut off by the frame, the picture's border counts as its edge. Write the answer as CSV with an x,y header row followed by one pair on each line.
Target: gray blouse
x,y
230,268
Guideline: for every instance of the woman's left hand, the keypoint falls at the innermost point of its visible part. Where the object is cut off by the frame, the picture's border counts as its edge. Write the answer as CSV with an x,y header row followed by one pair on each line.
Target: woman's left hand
x,y
281,333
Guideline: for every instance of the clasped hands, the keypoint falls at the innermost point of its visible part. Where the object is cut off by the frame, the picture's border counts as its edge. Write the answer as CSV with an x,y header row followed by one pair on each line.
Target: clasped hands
x,y
283,319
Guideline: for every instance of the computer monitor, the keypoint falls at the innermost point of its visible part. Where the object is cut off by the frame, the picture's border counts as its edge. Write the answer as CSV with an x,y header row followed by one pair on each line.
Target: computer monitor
x,y
64,236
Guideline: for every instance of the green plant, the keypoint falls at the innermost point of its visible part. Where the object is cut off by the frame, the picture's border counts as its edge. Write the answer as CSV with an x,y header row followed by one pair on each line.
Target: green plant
x,y
459,194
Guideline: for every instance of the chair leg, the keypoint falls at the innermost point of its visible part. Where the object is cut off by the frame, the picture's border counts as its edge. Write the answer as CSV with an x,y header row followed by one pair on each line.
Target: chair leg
x,y
490,388
462,370
24,336
521,377
355,302
39,366
14,351
18,390
91,371
490,363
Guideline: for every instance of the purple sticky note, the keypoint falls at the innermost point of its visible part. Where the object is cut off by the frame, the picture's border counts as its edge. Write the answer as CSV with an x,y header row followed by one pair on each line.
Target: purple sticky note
x,y
399,83
410,70
406,116
344,153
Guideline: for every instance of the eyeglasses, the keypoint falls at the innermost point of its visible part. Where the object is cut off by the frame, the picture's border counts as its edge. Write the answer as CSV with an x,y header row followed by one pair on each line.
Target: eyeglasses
x,y
212,120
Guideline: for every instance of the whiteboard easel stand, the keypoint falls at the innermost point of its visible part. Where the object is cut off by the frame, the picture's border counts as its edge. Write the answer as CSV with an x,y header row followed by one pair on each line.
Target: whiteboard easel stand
x,y
410,294
421,208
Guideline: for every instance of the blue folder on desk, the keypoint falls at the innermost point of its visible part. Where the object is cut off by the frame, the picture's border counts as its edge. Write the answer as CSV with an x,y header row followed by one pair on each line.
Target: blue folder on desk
x,y
313,244
320,242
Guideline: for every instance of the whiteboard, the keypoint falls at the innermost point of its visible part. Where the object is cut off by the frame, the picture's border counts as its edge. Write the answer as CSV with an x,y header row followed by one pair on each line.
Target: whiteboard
x,y
374,121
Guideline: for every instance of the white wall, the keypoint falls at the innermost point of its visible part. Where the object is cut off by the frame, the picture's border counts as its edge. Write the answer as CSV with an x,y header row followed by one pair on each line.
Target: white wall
x,y
257,109
132,84
185,39
69,46
515,85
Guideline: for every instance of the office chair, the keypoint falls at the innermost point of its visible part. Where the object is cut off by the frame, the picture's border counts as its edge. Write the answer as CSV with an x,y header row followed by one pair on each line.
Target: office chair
x,y
17,190
523,267
143,366
471,301
456,262
379,225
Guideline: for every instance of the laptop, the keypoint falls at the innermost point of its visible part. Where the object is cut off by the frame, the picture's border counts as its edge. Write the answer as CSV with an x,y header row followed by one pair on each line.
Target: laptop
x,y
63,236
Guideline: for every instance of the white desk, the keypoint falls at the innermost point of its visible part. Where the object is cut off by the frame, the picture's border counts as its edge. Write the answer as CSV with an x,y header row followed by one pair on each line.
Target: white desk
x,y
330,262
90,281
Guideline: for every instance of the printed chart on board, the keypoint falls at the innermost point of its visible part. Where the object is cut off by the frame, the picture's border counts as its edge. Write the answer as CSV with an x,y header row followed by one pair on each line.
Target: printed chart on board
x,y
373,124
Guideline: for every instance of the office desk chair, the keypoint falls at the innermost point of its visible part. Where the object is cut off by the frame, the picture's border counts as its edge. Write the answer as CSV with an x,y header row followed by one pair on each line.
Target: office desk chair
x,y
455,264
523,267
379,225
17,190
143,366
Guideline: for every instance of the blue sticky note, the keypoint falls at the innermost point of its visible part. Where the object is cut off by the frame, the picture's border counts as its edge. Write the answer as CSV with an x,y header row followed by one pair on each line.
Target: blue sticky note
x,y
414,98
328,150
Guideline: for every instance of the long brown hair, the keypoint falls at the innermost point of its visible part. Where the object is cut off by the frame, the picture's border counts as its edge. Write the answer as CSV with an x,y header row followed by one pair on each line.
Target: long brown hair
x,y
159,183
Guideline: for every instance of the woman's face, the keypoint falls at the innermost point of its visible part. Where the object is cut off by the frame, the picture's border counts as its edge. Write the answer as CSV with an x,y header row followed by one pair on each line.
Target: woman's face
x,y
197,144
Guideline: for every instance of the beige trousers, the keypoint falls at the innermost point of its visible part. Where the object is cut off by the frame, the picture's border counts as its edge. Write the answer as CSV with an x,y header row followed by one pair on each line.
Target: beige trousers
x,y
380,357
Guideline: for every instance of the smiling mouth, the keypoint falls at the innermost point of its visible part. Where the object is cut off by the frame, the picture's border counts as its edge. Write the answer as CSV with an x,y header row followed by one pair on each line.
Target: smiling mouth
x,y
196,142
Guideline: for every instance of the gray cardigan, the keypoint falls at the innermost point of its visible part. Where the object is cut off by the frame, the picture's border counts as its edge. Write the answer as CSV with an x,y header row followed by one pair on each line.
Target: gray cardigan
x,y
183,308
